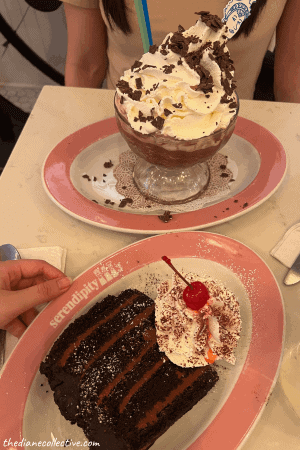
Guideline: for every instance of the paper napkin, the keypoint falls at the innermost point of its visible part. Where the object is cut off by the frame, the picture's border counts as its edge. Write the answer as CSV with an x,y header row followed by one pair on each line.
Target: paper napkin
x,y
56,256
288,248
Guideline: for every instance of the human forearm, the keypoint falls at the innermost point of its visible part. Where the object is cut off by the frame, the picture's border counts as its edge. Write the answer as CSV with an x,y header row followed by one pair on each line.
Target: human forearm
x,y
287,90
77,76
287,55
86,61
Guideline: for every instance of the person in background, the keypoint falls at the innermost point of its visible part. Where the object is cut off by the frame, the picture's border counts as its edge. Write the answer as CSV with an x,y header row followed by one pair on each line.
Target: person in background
x,y
25,284
104,40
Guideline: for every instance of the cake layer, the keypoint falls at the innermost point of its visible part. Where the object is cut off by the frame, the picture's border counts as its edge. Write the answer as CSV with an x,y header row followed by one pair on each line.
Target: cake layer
x,y
110,378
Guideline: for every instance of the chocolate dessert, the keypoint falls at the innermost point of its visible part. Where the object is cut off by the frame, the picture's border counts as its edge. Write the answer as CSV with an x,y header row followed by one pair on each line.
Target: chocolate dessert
x,y
110,378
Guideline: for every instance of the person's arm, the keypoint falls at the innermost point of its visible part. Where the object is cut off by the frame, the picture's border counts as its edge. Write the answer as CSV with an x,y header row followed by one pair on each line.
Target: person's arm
x,y
287,55
86,61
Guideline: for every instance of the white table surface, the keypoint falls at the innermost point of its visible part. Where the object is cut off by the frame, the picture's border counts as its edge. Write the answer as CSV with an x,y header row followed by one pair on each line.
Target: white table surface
x,y
30,219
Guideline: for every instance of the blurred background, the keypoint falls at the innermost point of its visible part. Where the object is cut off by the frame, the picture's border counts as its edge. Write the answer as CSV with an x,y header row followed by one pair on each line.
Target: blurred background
x,y
33,47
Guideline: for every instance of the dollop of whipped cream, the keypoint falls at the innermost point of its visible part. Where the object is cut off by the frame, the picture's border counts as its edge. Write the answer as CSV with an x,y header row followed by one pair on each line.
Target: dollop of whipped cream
x,y
186,336
184,88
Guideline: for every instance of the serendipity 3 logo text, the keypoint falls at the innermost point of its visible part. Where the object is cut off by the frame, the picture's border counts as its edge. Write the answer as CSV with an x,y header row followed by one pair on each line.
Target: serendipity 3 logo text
x,y
104,274
235,13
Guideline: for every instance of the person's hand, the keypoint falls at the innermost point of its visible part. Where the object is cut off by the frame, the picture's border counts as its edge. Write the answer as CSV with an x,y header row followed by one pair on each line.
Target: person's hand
x,y
23,285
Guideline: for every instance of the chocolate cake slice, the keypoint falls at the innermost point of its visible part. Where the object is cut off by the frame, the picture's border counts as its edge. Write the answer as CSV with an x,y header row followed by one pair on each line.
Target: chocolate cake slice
x,y
110,378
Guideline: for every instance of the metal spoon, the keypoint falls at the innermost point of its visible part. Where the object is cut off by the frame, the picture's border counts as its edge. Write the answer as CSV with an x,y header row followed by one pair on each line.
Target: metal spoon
x,y
7,252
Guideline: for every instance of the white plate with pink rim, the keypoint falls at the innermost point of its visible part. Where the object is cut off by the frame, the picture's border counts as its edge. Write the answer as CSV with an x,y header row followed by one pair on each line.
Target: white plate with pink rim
x,y
230,409
78,176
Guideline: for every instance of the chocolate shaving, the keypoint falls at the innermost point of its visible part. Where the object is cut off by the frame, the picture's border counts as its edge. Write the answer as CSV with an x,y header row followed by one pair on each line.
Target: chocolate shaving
x,y
158,122
179,44
193,39
86,176
177,105
108,164
163,52
136,65
180,29
166,217
210,20
125,201
168,68
109,202
225,99
153,49
124,86
136,95
146,66
138,83
167,112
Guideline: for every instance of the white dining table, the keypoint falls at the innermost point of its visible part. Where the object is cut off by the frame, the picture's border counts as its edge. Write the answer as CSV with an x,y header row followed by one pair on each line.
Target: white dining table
x,y
30,219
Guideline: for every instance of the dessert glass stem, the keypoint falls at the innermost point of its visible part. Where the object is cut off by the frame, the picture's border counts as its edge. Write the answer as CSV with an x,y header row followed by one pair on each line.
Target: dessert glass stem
x,y
170,185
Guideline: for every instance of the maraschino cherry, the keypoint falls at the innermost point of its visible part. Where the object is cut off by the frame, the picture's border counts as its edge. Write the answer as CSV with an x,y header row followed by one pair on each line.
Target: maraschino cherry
x,y
195,294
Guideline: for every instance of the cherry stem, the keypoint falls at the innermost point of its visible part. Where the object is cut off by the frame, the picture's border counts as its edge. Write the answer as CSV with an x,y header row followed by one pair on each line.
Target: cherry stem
x,y
168,261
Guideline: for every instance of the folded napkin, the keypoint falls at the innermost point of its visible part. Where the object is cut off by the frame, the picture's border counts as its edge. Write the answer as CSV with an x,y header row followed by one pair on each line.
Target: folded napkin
x,y
288,248
53,255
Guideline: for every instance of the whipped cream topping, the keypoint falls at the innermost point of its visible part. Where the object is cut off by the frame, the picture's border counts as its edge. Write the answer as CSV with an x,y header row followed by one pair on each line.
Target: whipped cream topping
x,y
184,88
186,336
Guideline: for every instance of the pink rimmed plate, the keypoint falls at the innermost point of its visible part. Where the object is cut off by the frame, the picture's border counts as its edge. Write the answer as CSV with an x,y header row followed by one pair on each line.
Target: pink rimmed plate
x,y
224,418
258,158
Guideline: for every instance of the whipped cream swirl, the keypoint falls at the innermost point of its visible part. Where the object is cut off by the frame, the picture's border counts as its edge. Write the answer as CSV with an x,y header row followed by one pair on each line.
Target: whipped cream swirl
x,y
187,336
184,88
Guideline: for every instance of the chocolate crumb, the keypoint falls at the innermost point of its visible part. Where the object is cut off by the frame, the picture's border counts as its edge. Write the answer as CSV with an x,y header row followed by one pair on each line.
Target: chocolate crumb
x,y
158,122
215,217
138,83
227,209
104,175
245,204
125,201
86,176
94,178
235,201
108,164
109,202
124,187
224,175
166,217
152,48
222,166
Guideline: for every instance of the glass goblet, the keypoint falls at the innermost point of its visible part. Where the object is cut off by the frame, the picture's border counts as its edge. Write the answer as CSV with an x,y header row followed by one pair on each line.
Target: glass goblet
x,y
169,170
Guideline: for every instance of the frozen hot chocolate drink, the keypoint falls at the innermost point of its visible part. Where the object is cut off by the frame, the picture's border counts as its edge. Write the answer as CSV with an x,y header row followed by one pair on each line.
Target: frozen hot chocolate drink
x,y
176,106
